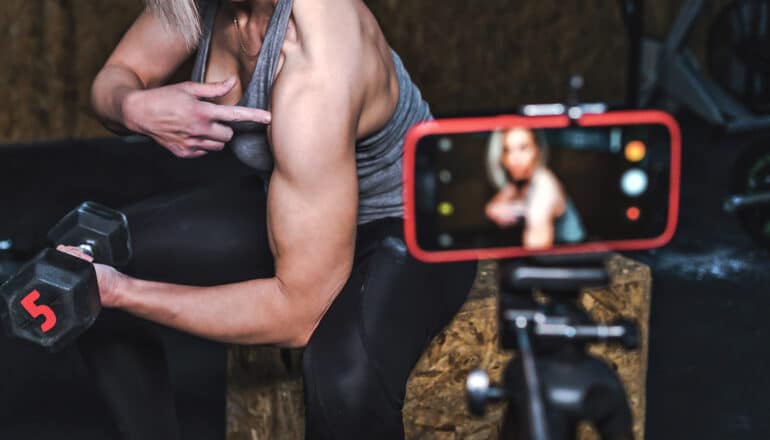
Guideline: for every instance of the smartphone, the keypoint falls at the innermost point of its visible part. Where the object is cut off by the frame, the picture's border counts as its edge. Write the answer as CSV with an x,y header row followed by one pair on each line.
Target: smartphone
x,y
514,186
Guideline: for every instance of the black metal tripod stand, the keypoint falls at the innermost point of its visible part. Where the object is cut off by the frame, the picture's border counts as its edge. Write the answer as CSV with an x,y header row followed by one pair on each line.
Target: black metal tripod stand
x,y
553,383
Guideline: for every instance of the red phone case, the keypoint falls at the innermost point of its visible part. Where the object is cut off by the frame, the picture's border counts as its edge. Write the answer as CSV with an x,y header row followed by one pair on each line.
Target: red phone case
x,y
466,125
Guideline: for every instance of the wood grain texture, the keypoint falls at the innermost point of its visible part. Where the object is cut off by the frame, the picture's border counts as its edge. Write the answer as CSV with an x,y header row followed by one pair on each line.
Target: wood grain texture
x,y
265,397
466,56
52,51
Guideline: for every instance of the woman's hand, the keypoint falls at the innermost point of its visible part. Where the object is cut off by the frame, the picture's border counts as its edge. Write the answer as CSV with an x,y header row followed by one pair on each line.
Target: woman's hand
x,y
178,117
107,277
505,214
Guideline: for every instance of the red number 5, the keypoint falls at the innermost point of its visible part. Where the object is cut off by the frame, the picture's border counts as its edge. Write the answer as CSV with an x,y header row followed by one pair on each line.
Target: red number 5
x,y
36,310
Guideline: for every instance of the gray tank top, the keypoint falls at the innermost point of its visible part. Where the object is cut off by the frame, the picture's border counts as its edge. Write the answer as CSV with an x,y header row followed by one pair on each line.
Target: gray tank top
x,y
378,156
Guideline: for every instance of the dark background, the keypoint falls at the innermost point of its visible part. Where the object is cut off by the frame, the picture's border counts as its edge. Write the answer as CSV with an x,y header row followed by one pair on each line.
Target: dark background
x,y
43,394
707,376
464,55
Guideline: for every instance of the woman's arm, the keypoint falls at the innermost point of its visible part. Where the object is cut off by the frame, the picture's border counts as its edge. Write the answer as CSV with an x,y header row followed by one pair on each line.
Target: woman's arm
x,y
500,210
547,202
128,97
147,55
312,209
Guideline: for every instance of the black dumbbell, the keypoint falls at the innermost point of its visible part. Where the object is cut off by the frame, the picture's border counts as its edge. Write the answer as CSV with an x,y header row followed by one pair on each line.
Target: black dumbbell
x,y
55,296
97,230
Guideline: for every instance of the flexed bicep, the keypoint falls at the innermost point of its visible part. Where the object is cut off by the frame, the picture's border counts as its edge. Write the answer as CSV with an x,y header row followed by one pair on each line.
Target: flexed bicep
x,y
313,192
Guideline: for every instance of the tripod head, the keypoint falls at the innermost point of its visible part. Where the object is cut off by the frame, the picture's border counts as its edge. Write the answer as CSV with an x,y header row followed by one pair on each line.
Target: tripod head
x,y
554,383
546,292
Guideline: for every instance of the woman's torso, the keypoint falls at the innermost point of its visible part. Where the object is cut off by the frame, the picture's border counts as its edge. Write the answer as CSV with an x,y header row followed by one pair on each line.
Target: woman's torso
x,y
392,103
542,179
568,227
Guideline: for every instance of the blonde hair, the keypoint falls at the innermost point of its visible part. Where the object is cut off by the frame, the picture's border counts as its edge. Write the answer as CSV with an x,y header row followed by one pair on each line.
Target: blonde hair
x,y
180,16
495,171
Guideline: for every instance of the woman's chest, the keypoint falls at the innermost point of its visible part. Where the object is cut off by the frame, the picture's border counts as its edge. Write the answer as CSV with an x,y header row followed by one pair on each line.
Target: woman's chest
x,y
231,53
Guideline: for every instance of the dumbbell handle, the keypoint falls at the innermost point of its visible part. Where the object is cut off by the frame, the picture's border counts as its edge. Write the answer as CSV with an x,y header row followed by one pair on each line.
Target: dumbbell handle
x,y
87,249
98,231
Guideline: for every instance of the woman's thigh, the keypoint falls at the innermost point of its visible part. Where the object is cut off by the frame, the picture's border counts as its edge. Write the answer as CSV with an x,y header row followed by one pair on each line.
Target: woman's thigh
x,y
207,236
203,236
359,359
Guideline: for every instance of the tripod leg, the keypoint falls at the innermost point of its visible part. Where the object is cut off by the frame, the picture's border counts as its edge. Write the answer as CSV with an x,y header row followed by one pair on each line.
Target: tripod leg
x,y
516,426
618,425
608,408
605,402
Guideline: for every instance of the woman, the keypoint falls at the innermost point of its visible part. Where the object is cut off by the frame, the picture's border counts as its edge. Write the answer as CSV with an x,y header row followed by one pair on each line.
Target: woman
x,y
310,254
529,192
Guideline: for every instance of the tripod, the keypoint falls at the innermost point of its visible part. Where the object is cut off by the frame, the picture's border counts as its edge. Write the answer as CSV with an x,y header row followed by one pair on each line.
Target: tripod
x,y
553,383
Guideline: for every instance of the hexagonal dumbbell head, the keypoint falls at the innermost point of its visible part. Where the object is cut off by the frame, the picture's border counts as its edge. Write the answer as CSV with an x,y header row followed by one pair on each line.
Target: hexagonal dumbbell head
x,y
100,231
51,300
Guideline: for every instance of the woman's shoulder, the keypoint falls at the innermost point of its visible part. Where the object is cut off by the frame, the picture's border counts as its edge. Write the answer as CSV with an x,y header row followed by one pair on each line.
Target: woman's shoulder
x,y
544,176
545,180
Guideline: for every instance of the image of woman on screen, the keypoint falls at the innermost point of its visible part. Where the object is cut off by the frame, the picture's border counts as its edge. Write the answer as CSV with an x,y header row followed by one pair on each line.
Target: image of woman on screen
x,y
529,193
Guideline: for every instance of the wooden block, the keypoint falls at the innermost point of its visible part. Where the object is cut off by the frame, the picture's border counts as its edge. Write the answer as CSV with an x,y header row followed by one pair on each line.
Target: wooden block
x,y
265,397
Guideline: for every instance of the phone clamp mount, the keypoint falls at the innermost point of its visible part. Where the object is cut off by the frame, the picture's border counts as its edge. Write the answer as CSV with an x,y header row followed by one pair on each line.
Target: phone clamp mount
x,y
554,383
572,107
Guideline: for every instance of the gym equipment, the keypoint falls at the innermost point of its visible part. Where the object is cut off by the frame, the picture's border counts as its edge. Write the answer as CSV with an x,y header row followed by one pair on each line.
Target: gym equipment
x,y
632,12
670,71
750,189
60,289
739,52
54,297
553,383
97,230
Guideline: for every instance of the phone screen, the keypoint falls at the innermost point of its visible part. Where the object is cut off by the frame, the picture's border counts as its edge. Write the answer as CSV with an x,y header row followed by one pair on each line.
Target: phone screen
x,y
539,189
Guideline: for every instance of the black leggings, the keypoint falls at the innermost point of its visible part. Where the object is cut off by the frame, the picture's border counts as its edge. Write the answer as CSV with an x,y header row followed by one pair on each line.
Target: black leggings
x,y
358,360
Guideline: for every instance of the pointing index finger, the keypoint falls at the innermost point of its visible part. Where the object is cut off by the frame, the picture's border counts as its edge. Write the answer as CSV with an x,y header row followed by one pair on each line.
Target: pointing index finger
x,y
236,113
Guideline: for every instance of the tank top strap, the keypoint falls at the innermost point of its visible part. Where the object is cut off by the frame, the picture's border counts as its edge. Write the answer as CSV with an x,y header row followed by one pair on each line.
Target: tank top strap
x,y
257,94
258,91
250,140
208,11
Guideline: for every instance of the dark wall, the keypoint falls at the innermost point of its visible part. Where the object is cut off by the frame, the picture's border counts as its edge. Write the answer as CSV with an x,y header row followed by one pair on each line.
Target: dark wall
x,y
42,182
465,55
41,393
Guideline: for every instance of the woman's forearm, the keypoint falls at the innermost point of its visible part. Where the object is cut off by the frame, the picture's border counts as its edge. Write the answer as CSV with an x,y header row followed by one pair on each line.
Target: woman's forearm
x,y
109,91
250,312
